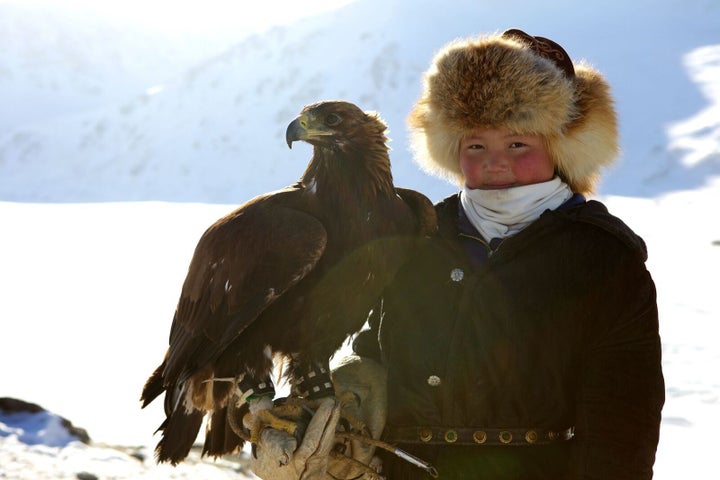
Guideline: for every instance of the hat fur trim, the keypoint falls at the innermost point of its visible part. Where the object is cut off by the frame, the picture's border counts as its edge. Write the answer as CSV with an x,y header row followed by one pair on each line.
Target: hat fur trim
x,y
499,82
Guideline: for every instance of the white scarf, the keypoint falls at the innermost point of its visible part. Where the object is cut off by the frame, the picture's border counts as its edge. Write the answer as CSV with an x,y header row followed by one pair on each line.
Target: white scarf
x,y
504,212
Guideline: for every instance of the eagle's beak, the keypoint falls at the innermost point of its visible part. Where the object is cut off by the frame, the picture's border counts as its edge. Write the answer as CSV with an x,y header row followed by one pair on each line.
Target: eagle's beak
x,y
297,130
306,128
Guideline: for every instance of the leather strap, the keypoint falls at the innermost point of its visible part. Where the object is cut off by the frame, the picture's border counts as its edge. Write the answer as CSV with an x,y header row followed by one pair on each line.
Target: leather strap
x,y
250,387
313,381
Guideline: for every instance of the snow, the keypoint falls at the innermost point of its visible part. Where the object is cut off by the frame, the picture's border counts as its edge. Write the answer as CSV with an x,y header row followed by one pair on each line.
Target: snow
x,y
20,461
43,428
115,157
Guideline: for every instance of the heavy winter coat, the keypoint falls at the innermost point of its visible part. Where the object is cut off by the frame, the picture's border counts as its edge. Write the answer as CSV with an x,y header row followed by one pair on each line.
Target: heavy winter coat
x,y
557,328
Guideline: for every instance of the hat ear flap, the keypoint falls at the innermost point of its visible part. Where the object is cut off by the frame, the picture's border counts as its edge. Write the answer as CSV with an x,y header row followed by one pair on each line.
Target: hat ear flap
x,y
590,141
436,150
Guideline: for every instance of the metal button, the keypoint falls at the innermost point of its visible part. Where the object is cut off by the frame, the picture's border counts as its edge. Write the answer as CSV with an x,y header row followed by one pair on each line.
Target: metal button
x,y
456,274
552,436
434,381
426,435
451,436
480,437
505,437
531,436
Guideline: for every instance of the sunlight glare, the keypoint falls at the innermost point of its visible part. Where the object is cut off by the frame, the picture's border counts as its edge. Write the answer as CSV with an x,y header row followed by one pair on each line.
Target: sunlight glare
x,y
207,15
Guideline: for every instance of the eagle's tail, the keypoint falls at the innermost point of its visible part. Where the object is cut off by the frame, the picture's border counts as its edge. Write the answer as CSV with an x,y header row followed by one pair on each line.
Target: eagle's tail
x,y
220,437
182,422
180,428
153,386
179,431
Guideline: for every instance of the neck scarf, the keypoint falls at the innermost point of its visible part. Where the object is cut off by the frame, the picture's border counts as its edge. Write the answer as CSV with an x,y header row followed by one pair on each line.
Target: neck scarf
x,y
502,213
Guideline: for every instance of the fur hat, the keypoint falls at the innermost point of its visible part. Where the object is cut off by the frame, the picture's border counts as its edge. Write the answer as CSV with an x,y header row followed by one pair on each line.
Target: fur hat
x,y
527,84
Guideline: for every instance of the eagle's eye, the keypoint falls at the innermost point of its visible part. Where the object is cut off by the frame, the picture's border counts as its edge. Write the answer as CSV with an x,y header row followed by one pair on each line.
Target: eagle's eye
x,y
333,119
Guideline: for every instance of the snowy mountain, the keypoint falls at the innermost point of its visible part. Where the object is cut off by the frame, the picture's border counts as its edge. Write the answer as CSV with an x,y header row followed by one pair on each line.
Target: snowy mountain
x,y
214,132
58,60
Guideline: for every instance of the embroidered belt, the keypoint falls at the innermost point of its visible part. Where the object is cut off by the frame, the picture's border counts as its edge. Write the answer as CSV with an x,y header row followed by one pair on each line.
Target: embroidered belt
x,y
476,436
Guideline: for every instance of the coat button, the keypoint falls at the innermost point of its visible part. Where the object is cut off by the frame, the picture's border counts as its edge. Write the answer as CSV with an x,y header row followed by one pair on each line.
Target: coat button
x,y
451,436
456,274
480,437
426,435
434,381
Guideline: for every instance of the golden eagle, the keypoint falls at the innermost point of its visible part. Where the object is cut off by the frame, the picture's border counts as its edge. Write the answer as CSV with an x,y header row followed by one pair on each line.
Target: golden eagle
x,y
291,273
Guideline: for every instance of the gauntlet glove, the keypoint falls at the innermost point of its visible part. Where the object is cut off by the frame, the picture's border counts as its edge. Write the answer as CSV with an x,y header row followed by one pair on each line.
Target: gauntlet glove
x,y
360,382
278,457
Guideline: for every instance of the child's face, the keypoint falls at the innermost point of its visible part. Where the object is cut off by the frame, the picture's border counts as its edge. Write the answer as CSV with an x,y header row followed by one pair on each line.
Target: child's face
x,y
495,158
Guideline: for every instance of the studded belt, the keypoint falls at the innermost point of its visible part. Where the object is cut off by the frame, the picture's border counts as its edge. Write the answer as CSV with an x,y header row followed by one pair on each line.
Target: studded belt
x,y
475,436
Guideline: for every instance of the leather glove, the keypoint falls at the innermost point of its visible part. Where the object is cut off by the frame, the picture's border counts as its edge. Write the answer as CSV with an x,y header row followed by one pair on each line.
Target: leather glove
x,y
322,456
277,456
366,380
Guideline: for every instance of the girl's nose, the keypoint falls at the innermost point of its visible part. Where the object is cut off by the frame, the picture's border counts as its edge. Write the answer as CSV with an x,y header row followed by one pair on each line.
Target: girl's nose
x,y
496,162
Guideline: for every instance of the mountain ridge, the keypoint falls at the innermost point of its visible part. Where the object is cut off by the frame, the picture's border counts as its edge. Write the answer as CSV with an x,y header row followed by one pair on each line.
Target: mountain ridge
x,y
213,132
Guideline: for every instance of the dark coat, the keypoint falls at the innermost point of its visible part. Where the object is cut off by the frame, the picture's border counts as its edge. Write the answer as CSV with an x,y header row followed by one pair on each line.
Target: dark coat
x,y
558,328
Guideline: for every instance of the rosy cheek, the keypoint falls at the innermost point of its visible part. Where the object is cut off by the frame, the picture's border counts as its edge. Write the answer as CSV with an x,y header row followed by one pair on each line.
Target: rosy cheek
x,y
533,167
466,164
471,171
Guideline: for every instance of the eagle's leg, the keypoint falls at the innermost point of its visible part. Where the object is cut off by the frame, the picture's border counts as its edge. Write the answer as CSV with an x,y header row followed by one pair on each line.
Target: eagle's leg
x,y
258,394
312,382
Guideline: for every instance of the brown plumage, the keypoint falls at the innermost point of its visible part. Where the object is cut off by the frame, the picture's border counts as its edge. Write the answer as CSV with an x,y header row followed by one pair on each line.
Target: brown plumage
x,y
293,272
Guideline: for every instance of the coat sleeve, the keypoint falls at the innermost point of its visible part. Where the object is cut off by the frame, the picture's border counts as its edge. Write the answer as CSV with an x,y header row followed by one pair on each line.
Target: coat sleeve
x,y
621,390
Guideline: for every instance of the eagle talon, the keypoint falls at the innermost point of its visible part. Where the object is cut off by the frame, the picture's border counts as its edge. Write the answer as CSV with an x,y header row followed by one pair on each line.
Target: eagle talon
x,y
293,407
292,414
262,419
350,400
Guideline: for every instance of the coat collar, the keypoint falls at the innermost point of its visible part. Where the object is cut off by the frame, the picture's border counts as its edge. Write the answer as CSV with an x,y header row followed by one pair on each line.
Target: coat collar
x,y
577,209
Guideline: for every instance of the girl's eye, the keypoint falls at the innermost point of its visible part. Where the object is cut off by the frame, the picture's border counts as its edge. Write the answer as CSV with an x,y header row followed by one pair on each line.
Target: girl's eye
x,y
517,145
475,146
332,119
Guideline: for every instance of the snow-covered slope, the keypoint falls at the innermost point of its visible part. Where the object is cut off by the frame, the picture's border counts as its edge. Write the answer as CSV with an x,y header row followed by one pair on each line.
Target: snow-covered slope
x,y
215,132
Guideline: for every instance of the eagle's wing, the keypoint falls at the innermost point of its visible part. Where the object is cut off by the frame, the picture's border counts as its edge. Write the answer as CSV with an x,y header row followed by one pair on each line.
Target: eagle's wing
x,y
422,208
241,264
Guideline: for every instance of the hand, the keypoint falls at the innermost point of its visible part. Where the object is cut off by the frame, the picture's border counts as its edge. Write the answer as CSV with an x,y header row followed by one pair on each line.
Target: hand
x,y
277,456
365,380
319,457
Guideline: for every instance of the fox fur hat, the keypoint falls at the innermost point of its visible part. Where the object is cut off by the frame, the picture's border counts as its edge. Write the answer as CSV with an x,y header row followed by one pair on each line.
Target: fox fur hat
x,y
526,84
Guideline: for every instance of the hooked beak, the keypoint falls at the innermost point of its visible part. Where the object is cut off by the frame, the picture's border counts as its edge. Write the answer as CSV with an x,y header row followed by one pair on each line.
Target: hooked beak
x,y
296,130
308,129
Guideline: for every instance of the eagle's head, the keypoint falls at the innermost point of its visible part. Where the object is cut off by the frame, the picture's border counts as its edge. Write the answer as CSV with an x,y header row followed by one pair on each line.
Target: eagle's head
x,y
337,125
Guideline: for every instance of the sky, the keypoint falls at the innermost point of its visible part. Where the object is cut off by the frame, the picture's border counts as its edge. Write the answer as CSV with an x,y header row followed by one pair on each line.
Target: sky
x,y
199,16
89,285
